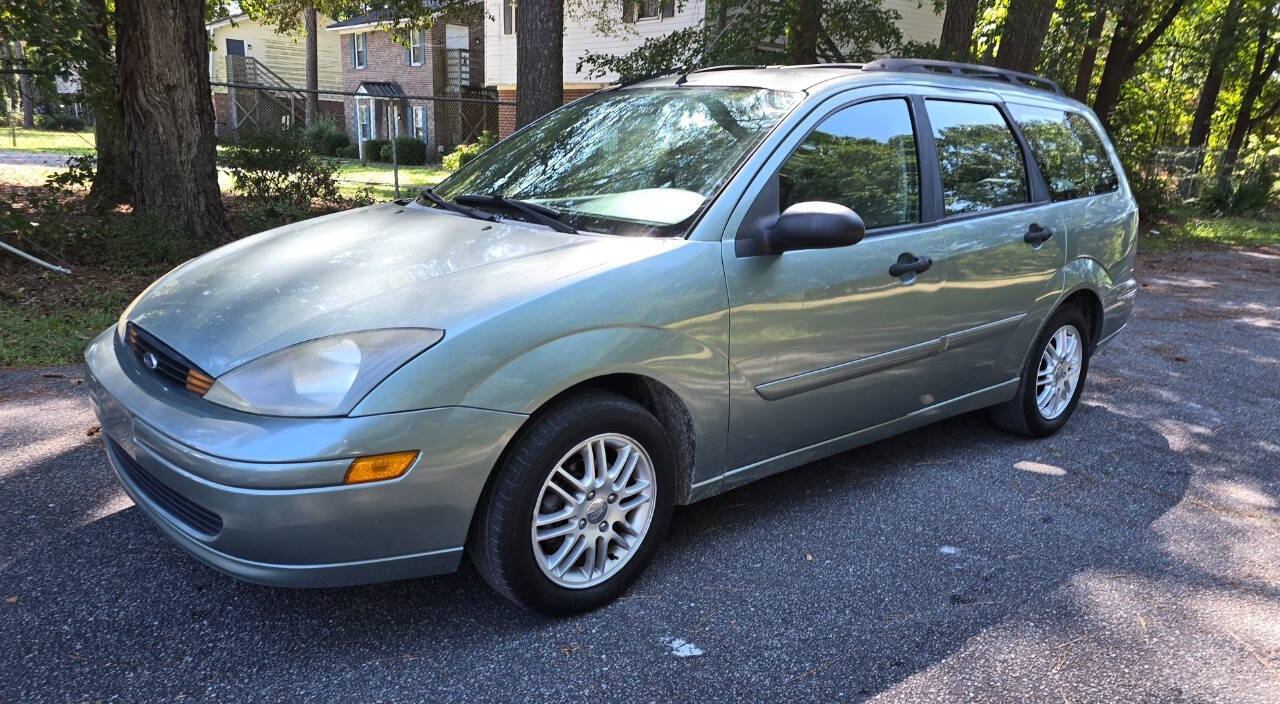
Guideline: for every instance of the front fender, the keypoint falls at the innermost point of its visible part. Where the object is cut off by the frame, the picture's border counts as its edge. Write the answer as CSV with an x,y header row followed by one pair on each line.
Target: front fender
x,y
695,372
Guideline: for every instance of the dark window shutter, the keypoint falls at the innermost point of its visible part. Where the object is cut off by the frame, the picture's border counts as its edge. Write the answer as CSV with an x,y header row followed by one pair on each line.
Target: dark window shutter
x,y
669,8
408,56
353,52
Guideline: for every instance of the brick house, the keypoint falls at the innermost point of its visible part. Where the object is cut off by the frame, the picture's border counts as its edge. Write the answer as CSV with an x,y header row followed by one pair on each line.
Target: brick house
x,y
412,89
647,19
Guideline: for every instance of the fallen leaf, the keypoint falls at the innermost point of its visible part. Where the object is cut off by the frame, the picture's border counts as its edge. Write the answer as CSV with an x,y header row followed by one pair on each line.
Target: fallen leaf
x,y
808,557
11,600
94,431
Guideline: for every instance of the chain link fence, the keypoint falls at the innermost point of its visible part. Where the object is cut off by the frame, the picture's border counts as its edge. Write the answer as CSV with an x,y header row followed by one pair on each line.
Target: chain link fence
x,y
1195,174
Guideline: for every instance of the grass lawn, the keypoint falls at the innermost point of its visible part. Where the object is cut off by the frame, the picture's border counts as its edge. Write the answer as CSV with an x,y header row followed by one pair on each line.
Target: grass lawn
x,y
46,141
1192,230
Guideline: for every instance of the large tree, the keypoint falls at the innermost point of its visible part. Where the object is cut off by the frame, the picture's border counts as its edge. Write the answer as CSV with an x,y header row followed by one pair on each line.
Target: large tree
x,y
1089,56
1266,62
313,77
162,56
539,59
1139,24
957,29
1025,25
1223,51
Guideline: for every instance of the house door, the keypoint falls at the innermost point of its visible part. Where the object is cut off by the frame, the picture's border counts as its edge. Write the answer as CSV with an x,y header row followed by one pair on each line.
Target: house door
x,y
235,47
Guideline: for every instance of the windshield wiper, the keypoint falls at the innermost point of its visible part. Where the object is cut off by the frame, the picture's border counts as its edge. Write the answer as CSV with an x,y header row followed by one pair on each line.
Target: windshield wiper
x,y
538,213
461,209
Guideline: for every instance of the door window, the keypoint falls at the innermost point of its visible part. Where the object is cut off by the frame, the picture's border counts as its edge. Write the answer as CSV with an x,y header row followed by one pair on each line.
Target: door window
x,y
863,157
1057,148
979,157
235,47
1101,173
420,122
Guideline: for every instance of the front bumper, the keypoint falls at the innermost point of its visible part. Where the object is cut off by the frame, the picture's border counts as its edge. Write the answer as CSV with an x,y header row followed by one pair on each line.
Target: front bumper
x,y
261,497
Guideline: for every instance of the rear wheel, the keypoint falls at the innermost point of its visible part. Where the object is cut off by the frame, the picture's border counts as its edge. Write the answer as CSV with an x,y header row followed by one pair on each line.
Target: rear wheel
x,y
1052,379
578,507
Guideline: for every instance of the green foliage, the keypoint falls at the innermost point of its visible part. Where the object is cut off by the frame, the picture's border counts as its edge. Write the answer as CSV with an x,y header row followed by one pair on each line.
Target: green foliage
x,y
409,151
849,30
349,151
276,171
324,137
466,152
373,148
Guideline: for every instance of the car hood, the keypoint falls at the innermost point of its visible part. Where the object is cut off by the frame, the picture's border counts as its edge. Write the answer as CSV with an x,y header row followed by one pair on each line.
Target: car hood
x,y
378,267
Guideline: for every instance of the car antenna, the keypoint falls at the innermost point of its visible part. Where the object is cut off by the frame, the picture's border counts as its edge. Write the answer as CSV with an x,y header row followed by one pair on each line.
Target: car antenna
x,y
684,72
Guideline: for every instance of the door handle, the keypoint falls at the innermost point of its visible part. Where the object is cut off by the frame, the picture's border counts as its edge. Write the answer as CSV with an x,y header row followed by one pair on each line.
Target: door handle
x,y
908,263
1037,235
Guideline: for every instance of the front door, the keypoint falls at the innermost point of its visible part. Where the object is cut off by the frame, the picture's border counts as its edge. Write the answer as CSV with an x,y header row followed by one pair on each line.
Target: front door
x,y
235,47
827,342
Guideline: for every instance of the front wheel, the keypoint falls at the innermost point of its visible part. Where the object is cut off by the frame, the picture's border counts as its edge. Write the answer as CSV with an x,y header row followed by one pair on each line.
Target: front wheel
x,y
1052,380
578,506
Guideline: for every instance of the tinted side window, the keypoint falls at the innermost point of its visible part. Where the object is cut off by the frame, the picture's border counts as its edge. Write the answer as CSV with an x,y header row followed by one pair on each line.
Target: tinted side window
x,y
1057,149
1101,174
979,157
863,157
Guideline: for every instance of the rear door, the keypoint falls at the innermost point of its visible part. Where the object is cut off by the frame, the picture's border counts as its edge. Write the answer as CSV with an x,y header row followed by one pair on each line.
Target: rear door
x,y
1006,242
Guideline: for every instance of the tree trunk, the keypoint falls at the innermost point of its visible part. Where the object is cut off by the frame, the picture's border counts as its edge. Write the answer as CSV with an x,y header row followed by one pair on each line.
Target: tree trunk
x,y
802,39
162,55
539,59
1023,34
1208,102
957,29
1125,50
1264,65
313,78
24,87
112,177
1084,76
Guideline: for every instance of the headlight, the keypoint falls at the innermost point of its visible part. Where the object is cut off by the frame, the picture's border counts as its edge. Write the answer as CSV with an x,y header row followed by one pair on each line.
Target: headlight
x,y
324,377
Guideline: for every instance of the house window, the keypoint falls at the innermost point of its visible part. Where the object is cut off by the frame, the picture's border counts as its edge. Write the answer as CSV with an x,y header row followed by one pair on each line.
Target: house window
x,y
417,47
508,16
633,10
419,127
359,49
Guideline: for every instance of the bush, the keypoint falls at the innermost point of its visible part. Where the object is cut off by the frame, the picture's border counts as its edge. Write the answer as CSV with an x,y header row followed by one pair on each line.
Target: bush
x,y
466,152
1155,193
410,151
373,149
324,137
350,151
59,121
276,171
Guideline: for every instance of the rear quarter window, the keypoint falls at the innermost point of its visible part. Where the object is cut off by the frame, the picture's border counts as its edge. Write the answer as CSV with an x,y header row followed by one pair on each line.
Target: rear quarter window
x,y
1069,152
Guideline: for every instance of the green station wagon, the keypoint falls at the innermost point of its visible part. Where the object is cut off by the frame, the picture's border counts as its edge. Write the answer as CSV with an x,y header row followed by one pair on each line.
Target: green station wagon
x,y
650,296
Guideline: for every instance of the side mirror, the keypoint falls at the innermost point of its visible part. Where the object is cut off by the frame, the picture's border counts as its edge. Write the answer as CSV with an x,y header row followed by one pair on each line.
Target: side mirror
x,y
815,225
809,225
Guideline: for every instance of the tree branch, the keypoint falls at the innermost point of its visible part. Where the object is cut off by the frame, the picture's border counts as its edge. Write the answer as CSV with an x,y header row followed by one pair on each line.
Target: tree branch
x,y
1166,19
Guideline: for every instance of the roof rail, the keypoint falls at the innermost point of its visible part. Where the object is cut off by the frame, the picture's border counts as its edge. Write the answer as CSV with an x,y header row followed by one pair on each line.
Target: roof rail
x,y
967,70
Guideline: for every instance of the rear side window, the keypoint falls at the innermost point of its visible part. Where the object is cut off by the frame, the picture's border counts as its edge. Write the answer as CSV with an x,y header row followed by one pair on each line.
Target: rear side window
x,y
979,157
1057,149
862,157
1101,174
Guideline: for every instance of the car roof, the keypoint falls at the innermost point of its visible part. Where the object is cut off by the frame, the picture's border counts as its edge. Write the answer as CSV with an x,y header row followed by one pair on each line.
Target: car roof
x,y
828,77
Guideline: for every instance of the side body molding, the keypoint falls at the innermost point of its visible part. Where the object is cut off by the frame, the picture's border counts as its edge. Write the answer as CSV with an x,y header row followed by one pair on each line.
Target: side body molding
x,y
808,381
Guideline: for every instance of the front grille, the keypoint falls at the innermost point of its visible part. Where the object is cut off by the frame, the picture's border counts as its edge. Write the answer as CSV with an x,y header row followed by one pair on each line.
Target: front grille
x,y
165,361
193,515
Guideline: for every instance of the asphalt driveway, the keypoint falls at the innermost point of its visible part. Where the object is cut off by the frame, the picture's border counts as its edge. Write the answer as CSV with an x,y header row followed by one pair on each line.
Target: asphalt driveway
x,y
1134,557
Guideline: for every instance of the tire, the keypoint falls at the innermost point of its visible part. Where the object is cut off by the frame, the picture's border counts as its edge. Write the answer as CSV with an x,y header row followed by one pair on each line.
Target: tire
x,y
517,563
1023,414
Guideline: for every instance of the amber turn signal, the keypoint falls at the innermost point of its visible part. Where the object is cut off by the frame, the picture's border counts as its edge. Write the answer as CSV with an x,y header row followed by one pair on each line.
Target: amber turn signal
x,y
376,468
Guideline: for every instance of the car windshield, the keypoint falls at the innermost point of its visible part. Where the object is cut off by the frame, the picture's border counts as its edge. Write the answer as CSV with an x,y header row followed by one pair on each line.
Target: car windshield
x,y
641,161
